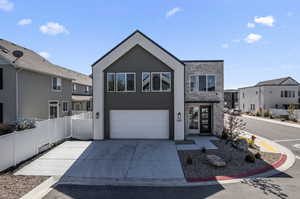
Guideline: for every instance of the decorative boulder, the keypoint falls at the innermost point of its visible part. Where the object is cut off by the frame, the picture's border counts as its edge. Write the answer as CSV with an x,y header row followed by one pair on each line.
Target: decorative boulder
x,y
216,161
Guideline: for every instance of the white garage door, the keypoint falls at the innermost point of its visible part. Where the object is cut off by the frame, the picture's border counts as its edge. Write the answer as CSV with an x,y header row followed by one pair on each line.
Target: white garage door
x,y
139,124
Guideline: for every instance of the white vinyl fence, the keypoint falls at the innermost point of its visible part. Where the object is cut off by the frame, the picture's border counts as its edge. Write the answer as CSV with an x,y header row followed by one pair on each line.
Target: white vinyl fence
x,y
81,126
284,112
22,145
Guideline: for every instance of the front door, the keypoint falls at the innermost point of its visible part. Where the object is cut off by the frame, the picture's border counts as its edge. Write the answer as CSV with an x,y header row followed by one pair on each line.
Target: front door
x,y
205,119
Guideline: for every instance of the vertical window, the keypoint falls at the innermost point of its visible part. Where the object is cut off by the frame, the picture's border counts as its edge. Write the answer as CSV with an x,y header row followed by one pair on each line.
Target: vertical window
x,y
211,83
194,117
74,87
56,83
87,89
156,84
130,82
282,94
285,94
166,81
293,94
1,78
146,82
202,83
88,105
110,82
193,83
53,110
120,77
65,107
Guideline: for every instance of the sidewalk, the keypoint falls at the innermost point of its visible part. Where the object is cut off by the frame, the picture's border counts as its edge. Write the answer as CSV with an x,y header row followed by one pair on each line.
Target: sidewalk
x,y
272,121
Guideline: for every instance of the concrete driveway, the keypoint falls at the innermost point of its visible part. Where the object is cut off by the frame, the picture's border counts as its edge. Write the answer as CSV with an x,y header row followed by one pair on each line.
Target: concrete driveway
x,y
111,159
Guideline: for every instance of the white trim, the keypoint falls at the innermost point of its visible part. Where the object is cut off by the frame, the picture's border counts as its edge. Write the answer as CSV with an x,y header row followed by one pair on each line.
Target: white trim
x,y
61,87
115,54
49,105
116,82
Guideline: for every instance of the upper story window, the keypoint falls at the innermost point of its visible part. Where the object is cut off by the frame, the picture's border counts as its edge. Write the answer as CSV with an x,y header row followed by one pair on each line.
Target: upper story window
x,y
56,83
288,94
74,87
202,83
121,82
87,89
156,81
1,78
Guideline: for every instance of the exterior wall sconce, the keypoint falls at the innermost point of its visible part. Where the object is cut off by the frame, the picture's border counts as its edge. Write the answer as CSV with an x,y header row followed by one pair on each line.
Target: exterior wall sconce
x,y
179,116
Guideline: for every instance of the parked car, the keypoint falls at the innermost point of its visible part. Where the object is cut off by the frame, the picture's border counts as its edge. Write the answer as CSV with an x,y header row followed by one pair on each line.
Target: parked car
x,y
235,112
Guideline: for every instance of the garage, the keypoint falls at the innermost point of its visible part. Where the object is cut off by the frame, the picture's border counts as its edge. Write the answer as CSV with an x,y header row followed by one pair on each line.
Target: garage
x,y
139,124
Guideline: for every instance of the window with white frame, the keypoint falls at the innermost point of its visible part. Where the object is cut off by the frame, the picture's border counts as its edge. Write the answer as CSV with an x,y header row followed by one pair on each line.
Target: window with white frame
x,y
56,83
146,79
65,106
87,89
121,82
202,83
74,87
161,81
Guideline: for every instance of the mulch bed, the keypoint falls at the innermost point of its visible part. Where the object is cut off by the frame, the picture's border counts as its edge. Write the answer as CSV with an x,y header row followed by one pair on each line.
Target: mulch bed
x,y
13,187
235,161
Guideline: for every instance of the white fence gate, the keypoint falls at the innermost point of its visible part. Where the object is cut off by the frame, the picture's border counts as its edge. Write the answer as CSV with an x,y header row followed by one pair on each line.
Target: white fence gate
x,y
22,145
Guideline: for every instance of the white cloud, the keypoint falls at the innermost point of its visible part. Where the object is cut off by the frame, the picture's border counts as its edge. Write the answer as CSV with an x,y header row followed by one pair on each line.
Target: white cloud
x,y
289,67
267,21
225,46
6,5
53,28
236,41
46,55
252,38
251,25
289,14
23,22
173,11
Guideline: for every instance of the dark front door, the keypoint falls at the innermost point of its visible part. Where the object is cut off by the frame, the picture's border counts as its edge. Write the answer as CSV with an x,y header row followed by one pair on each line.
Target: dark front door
x,y
205,119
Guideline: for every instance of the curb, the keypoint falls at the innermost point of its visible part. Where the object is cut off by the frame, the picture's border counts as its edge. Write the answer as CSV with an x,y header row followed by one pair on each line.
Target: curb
x,y
275,165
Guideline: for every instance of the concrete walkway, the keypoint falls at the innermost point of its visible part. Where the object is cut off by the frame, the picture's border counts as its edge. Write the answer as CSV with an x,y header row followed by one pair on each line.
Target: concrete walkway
x,y
111,159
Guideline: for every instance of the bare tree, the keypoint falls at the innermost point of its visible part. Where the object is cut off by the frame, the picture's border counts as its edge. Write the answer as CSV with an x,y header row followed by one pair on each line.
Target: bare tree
x,y
291,111
234,127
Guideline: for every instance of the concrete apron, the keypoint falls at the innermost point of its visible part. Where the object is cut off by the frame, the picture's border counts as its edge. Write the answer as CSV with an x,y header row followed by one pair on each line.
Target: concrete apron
x,y
112,160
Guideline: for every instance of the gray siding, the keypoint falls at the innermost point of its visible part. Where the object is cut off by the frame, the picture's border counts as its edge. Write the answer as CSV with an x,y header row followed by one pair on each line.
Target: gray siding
x,y
8,93
138,60
35,91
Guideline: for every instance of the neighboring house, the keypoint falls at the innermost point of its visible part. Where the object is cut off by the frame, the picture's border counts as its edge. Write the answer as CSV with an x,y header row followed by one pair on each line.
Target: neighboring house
x,y
141,91
81,92
231,98
277,93
32,87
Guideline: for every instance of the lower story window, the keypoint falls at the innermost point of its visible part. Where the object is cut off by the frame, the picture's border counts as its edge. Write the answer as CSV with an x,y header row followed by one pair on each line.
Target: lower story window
x,y
194,118
65,107
53,110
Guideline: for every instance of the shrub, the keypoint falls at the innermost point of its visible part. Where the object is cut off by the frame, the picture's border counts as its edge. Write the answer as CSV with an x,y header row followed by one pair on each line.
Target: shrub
x,y
5,129
266,113
250,158
224,135
258,155
258,113
23,124
234,127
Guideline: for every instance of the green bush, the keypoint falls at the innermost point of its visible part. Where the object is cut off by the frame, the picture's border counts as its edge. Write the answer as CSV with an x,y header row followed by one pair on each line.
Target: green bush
x,y
266,114
258,114
258,155
250,158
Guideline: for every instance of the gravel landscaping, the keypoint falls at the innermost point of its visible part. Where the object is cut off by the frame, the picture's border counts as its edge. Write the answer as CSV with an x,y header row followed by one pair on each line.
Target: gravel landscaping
x,y
13,187
235,161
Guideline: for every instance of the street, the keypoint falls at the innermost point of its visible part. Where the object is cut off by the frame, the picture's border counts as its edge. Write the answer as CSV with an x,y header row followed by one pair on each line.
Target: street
x,y
284,185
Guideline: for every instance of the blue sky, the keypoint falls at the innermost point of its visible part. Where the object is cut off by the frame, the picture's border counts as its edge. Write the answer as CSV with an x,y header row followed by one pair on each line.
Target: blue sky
x,y
258,39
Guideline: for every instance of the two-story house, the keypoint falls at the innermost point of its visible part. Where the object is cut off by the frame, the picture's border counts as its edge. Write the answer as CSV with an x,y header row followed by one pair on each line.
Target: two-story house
x,y
276,93
31,86
141,91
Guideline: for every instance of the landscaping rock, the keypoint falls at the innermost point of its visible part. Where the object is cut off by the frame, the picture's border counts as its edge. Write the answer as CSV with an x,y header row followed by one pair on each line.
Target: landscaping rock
x,y
216,161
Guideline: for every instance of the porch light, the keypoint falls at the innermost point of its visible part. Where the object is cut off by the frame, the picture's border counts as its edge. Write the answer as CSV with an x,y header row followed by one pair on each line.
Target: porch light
x,y
178,116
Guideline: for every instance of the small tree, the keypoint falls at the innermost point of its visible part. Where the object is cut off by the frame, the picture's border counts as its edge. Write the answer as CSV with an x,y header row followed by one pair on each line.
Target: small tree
x,y
291,111
234,127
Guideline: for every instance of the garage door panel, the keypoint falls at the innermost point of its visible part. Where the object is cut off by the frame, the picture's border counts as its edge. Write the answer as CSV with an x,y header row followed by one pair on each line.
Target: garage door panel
x,y
139,124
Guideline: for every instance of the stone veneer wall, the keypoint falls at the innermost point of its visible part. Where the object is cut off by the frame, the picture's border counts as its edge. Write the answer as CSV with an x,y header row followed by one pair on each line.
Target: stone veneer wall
x,y
206,68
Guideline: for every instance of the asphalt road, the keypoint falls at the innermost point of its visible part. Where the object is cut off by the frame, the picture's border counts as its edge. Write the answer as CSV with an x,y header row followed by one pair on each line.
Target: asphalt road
x,y
284,185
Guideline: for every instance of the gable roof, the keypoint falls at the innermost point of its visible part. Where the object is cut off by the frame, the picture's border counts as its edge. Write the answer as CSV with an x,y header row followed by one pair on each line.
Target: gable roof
x,y
277,82
129,37
34,62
